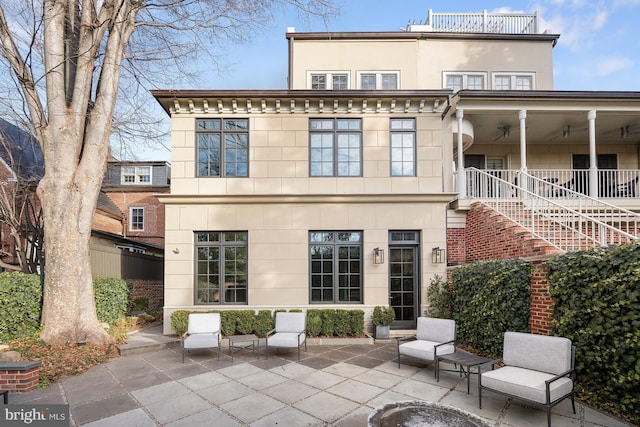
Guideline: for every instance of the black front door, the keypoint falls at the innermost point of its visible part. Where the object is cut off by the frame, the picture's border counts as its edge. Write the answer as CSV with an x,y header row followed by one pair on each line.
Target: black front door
x,y
404,278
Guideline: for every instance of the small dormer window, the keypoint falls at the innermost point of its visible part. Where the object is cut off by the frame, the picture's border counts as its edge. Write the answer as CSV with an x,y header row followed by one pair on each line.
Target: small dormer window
x,y
136,175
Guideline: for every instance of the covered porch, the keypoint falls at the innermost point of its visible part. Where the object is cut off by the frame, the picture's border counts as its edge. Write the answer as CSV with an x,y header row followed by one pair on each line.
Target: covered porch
x,y
582,142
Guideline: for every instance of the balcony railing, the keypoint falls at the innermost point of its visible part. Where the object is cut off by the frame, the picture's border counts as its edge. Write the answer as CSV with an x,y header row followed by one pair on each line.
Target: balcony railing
x,y
568,220
621,184
484,22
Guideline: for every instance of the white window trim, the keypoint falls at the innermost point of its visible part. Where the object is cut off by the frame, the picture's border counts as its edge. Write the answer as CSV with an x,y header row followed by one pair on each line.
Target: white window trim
x,y
465,75
131,219
378,74
329,78
512,75
136,176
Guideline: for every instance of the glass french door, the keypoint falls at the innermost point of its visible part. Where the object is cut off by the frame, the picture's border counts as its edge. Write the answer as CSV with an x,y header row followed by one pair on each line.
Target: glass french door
x,y
404,278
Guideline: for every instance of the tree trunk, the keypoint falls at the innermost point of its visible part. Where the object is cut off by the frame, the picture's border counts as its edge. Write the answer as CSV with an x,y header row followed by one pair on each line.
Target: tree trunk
x,y
68,312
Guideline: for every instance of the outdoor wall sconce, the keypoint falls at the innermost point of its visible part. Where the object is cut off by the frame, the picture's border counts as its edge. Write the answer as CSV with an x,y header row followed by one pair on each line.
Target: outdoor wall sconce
x,y
437,255
378,256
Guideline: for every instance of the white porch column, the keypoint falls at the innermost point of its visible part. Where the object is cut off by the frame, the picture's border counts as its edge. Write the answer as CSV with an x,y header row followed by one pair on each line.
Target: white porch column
x,y
522,116
461,176
593,162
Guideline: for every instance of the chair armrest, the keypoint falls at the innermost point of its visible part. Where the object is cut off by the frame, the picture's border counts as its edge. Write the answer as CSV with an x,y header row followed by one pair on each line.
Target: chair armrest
x,y
269,333
490,362
409,338
557,377
547,383
435,347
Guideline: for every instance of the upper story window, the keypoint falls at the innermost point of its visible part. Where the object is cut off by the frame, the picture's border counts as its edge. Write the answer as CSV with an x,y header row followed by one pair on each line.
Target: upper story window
x,y
513,82
403,147
459,81
135,175
335,147
378,80
222,147
333,80
136,219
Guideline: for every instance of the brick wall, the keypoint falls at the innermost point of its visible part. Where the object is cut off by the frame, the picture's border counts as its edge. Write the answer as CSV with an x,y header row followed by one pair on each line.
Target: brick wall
x,y
19,377
154,215
490,236
455,246
153,290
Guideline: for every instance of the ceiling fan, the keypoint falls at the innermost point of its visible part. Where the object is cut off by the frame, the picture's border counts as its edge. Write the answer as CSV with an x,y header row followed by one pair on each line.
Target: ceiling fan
x,y
505,131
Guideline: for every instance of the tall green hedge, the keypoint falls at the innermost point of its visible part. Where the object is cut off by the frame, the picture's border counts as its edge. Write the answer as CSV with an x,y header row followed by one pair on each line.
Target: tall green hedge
x,y
596,298
21,300
112,298
491,298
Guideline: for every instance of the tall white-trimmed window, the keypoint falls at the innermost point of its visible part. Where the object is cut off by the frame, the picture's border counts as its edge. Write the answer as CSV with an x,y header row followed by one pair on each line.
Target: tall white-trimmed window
x,y
221,267
335,147
223,147
372,80
335,259
328,80
459,81
135,175
403,147
136,219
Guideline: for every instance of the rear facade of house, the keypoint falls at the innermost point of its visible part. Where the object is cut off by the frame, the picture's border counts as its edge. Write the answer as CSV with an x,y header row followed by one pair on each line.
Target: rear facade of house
x,y
351,187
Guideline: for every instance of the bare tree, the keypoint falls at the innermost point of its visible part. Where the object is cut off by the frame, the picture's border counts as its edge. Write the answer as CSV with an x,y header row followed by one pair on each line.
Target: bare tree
x,y
21,227
67,57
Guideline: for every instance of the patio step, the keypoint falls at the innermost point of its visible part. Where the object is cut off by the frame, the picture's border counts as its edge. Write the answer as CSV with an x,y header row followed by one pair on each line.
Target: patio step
x,y
150,339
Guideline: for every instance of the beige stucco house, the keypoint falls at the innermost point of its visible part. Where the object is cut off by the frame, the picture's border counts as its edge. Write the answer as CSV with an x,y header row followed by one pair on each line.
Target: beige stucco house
x,y
344,189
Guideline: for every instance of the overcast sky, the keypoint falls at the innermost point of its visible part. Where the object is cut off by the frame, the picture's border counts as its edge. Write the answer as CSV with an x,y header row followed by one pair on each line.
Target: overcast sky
x,y
598,49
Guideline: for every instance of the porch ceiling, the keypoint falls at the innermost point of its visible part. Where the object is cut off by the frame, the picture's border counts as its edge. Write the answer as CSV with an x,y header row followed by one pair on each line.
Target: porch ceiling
x,y
552,116
553,127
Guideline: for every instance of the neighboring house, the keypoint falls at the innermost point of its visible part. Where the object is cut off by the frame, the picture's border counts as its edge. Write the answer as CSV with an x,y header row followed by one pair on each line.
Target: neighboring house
x,y
351,188
21,168
132,187
118,248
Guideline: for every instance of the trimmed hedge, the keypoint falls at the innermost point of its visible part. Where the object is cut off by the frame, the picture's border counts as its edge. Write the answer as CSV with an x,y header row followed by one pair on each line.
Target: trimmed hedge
x,y
342,323
21,302
112,298
21,299
596,298
491,298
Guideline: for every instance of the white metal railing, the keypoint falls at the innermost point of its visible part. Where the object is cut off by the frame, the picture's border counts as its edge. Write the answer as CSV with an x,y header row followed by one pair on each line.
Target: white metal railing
x,y
612,183
483,22
581,224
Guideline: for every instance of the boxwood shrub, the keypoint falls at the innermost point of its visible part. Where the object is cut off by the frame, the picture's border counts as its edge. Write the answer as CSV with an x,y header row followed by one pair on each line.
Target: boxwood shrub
x,y
21,302
112,298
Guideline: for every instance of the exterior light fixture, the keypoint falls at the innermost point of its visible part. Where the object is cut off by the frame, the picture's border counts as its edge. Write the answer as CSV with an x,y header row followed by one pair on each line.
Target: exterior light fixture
x,y
437,255
378,256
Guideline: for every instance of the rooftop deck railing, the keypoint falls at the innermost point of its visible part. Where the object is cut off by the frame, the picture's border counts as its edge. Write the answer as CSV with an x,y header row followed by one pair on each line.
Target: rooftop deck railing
x,y
583,223
484,22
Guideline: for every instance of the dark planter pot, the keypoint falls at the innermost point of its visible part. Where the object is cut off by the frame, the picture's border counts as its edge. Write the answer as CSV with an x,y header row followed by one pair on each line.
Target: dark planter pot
x,y
382,332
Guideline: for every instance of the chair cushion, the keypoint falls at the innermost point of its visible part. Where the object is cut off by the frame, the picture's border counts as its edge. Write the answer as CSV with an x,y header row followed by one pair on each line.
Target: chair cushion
x,y
537,352
200,323
525,383
201,341
422,349
285,339
438,330
291,322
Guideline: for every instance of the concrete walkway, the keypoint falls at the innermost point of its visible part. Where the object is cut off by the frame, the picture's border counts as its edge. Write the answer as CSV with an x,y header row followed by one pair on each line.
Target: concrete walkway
x,y
332,385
